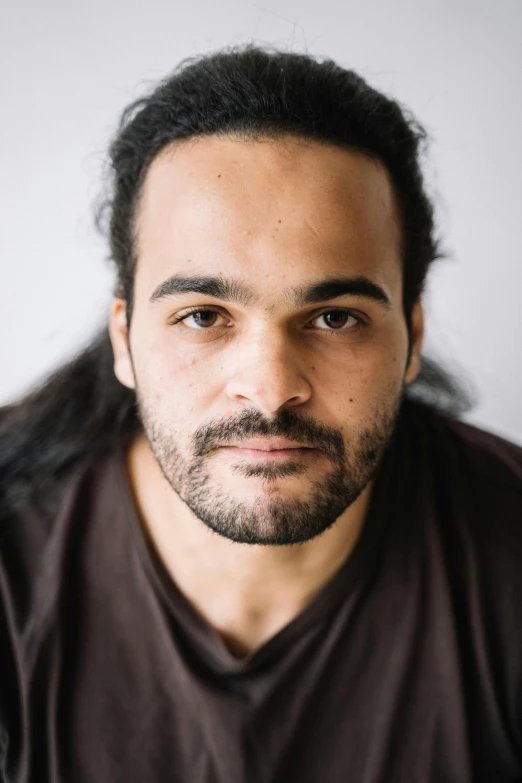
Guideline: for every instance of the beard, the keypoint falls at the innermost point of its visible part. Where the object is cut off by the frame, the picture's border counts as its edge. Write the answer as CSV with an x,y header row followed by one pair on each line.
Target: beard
x,y
267,517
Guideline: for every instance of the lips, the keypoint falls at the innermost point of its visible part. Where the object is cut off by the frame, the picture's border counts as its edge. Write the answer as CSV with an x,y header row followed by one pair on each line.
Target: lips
x,y
268,444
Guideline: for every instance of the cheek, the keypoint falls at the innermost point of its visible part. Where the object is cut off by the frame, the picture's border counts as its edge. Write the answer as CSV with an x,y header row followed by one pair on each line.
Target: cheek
x,y
358,388
370,366
175,381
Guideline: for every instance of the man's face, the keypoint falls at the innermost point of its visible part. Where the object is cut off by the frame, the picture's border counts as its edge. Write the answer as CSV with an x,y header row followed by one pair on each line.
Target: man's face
x,y
262,351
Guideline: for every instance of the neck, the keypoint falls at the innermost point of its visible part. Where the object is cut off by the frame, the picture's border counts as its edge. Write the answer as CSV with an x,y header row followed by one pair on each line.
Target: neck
x,y
246,593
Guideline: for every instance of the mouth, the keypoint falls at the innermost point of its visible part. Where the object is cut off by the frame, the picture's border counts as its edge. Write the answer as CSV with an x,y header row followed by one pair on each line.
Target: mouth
x,y
266,455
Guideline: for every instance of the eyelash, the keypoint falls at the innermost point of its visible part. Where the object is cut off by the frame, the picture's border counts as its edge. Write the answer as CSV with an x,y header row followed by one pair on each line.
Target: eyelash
x,y
361,322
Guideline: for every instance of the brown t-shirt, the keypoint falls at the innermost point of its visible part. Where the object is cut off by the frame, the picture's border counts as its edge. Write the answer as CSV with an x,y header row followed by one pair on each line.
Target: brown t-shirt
x,y
405,668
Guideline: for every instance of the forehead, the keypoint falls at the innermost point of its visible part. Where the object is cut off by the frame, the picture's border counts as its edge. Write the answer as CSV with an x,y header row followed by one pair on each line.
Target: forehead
x,y
267,210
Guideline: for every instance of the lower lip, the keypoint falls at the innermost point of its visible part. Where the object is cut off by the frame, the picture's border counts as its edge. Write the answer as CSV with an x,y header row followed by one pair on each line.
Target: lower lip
x,y
277,454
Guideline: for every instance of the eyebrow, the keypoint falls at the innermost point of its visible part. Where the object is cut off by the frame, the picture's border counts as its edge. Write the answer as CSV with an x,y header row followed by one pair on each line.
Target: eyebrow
x,y
231,290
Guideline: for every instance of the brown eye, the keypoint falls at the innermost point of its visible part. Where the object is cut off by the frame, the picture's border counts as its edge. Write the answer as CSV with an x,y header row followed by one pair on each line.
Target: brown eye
x,y
202,318
337,320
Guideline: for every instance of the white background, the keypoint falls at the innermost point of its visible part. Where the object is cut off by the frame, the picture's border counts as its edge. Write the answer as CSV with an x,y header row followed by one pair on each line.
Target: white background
x,y
69,68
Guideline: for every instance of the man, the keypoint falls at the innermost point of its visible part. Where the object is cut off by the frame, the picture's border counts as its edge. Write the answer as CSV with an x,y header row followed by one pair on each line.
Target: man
x,y
236,544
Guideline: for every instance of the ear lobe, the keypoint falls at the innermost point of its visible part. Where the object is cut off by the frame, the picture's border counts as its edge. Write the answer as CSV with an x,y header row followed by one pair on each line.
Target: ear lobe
x,y
413,369
417,336
119,336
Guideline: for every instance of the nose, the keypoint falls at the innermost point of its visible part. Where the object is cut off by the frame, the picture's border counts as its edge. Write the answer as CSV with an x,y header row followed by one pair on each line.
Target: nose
x,y
269,374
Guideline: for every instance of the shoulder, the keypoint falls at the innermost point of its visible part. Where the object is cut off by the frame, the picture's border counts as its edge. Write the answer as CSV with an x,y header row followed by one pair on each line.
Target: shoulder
x,y
487,469
491,469
38,506
480,523
476,502
472,482
475,491
468,454
492,458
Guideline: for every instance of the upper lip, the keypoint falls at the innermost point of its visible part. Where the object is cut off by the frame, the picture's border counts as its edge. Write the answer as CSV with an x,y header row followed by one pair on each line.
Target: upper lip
x,y
268,444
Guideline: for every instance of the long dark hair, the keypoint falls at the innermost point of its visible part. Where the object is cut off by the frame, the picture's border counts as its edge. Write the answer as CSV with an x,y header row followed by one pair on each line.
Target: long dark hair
x,y
81,410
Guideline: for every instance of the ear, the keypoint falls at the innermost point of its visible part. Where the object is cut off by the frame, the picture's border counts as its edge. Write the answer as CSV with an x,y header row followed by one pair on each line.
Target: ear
x,y
119,335
417,336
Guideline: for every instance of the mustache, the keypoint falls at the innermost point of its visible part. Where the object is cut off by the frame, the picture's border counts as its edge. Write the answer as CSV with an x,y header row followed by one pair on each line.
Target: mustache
x,y
252,423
